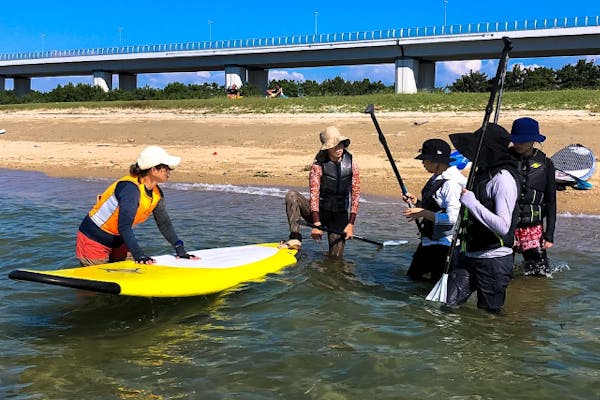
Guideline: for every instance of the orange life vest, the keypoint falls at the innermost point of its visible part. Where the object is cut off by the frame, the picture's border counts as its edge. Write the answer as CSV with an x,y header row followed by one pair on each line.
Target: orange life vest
x,y
105,213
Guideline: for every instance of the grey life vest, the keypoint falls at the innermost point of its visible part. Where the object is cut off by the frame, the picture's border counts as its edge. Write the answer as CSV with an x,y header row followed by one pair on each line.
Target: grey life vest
x,y
336,183
533,184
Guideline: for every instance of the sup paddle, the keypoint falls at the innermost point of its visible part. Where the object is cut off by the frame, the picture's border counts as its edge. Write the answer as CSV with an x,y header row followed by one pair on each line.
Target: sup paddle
x,y
440,290
579,183
371,111
379,244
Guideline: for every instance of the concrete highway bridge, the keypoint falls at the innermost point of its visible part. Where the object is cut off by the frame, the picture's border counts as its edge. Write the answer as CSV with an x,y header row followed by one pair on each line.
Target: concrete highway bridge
x,y
413,51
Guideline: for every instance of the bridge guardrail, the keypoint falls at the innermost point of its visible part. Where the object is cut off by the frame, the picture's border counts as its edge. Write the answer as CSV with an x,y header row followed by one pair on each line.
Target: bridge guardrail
x,y
396,33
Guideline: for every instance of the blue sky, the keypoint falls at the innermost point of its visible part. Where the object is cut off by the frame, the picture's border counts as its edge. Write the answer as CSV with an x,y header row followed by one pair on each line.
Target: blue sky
x,y
61,25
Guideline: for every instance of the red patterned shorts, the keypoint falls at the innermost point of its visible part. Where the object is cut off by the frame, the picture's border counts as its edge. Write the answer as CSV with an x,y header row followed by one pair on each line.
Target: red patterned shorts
x,y
527,238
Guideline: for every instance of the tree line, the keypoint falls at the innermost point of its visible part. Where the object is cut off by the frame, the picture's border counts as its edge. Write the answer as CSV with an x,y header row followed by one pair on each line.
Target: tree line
x,y
583,75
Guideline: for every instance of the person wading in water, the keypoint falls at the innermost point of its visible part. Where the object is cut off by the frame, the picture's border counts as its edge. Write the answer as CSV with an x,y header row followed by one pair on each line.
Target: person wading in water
x,y
334,183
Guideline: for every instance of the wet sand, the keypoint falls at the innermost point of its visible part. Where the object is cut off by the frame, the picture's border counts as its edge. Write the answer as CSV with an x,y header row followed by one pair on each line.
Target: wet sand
x,y
265,150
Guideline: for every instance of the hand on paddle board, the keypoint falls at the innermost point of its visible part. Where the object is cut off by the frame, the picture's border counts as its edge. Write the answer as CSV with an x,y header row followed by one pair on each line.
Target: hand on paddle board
x,y
181,253
145,260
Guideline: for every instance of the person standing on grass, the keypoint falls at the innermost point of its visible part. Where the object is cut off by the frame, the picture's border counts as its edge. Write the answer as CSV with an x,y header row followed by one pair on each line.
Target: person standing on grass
x,y
334,185
106,232
438,210
537,201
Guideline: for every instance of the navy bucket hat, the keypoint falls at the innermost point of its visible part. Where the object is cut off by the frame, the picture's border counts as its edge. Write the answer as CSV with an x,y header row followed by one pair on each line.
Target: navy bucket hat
x,y
526,130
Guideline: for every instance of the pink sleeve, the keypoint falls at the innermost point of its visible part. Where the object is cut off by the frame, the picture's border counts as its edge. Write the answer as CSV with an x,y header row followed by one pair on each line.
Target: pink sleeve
x,y
355,190
314,182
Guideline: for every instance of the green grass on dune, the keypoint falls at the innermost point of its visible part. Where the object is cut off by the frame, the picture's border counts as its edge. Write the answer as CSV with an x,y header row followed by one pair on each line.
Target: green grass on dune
x,y
579,99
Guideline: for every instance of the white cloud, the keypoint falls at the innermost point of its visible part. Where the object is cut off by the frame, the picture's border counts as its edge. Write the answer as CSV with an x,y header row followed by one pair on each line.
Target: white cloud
x,y
374,73
186,78
526,66
277,74
203,75
460,67
449,71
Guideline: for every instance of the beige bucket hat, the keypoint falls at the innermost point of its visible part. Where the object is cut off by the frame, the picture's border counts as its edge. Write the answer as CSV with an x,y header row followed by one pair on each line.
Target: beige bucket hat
x,y
331,137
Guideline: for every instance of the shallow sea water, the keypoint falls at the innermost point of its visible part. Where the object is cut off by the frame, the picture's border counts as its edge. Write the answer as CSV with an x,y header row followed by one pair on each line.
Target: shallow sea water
x,y
322,329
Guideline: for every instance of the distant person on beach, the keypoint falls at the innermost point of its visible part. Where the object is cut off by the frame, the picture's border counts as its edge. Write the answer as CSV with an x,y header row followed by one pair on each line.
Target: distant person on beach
x,y
438,210
106,235
276,92
334,188
485,261
537,201
233,92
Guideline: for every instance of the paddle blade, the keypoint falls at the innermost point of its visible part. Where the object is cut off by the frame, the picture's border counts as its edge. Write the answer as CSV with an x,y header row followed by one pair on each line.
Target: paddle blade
x,y
583,185
394,242
440,290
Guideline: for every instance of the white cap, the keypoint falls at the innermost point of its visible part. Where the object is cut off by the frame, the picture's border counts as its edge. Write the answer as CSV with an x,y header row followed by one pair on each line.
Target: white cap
x,y
152,156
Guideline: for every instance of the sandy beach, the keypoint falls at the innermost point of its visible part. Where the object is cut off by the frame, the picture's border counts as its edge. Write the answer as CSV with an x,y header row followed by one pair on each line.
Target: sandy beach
x,y
265,150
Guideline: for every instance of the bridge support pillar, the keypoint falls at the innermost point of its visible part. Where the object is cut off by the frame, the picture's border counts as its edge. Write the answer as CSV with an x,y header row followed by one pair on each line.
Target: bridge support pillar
x,y
259,78
2,84
234,74
103,79
407,71
426,76
22,86
128,82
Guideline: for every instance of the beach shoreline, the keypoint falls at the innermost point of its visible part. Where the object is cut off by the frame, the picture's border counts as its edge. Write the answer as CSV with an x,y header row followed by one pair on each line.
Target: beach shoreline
x,y
262,150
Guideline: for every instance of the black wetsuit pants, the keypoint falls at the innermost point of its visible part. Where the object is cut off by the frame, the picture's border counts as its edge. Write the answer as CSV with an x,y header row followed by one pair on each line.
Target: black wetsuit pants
x,y
488,276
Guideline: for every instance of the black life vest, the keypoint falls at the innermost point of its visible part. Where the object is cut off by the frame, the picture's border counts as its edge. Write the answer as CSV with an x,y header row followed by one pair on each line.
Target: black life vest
x,y
476,236
336,183
428,203
533,185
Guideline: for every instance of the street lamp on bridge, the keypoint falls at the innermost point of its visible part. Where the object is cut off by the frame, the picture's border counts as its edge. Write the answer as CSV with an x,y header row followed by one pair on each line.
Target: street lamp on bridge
x,y
445,3
210,22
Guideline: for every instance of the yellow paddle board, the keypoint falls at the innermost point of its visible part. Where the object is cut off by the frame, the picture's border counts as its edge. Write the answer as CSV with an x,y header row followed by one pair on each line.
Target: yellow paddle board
x,y
216,270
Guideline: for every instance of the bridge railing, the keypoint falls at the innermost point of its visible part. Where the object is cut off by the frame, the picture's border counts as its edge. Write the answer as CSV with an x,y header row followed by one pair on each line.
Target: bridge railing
x,y
396,33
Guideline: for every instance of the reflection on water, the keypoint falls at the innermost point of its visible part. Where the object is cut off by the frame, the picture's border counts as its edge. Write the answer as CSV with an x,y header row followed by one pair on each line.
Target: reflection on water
x,y
324,329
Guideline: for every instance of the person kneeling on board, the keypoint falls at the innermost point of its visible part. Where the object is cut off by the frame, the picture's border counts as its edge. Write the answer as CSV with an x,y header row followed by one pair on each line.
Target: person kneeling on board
x,y
106,235
334,182
438,208
537,201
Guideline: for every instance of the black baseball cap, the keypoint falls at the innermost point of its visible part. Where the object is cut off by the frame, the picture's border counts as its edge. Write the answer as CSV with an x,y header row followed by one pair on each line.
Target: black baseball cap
x,y
435,150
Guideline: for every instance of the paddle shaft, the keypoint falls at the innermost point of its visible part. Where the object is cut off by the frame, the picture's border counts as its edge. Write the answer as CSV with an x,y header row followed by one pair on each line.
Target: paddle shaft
x,y
495,94
371,111
325,229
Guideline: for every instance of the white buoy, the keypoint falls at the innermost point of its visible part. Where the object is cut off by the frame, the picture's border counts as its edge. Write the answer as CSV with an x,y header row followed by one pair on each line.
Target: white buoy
x,y
2,131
